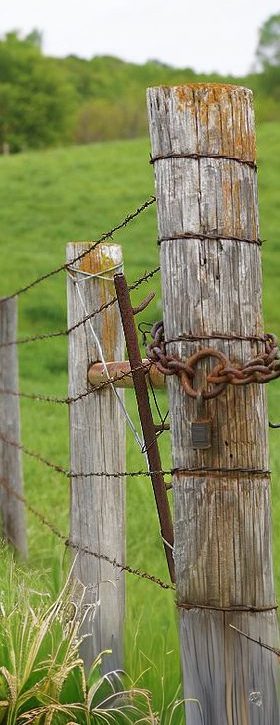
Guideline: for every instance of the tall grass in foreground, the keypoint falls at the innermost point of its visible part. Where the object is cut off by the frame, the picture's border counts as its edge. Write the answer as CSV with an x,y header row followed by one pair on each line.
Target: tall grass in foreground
x,y
42,678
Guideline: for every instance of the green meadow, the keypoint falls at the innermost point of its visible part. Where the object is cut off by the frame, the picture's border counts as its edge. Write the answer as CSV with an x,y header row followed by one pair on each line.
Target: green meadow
x,y
47,199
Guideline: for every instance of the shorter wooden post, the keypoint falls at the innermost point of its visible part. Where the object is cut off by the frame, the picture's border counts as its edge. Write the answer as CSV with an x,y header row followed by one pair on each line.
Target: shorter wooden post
x,y
12,510
97,443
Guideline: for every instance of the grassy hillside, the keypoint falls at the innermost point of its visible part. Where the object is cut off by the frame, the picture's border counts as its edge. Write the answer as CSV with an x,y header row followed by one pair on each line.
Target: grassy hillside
x,y
51,197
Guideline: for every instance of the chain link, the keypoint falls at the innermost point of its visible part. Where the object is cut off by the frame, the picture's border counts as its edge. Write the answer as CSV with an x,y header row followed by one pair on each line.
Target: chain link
x,y
259,369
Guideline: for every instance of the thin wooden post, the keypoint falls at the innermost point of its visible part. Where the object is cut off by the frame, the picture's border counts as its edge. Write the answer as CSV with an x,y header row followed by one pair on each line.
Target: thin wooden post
x,y
12,510
203,144
97,443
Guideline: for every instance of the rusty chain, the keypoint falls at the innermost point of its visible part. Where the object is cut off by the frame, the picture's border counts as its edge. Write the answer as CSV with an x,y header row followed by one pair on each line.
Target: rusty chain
x,y
260,369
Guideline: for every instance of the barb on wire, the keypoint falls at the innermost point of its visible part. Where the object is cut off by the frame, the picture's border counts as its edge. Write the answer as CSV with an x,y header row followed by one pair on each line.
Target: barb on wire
x,y
62,333
106,235
82,549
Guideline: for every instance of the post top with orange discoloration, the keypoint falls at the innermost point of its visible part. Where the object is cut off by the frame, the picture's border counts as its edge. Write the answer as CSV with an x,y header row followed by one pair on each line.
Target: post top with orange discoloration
x,y
100,258
204,119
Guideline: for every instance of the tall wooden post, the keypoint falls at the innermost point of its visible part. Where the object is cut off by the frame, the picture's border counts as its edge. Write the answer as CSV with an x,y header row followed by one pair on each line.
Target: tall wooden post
x,y
12,510
97,443
203,144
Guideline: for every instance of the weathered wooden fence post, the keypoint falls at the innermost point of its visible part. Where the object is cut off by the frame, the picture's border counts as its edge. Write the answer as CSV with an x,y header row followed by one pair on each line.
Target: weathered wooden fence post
x,y
203,146
12,510
97,443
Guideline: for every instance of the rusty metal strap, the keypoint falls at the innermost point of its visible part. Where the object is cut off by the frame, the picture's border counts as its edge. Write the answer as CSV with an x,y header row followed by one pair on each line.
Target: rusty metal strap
x,y
206,236
230,608
197,157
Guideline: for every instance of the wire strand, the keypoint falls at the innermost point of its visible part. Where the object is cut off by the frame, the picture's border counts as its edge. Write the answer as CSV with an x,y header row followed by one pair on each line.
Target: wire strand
x,y
60,333
74,399
83,549
194,471
106,235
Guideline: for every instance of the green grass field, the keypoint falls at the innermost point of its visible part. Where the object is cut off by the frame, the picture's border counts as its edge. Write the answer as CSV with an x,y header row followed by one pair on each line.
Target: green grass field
x,y
47,199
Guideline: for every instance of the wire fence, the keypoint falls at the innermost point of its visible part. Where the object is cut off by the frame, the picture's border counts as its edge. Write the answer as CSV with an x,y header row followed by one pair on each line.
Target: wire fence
x,y
35,396
109,382
107,235
82,549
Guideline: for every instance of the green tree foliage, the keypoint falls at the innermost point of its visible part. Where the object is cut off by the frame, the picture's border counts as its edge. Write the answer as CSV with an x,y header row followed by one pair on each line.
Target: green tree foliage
x,y
55,101
35,97
268,60
268,49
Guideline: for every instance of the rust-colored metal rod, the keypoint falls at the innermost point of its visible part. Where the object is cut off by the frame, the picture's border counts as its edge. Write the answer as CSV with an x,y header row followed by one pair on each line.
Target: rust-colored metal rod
x,y
147,423
120,372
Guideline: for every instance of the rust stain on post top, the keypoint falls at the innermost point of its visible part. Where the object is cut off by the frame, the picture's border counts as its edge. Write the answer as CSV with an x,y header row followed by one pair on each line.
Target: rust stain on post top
x,y
105,259
216,106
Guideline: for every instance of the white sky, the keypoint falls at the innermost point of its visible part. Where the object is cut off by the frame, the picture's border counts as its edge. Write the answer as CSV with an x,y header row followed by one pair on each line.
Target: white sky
x,y
205,35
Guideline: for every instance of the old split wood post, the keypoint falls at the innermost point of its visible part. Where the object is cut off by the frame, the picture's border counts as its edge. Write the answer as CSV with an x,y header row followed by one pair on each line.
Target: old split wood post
x,y
11,507
203,145
97,443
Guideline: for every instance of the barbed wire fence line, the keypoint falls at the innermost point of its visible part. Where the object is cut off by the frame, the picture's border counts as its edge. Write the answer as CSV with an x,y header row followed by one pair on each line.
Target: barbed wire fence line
x,y
9,391
139,573
157,357
107,235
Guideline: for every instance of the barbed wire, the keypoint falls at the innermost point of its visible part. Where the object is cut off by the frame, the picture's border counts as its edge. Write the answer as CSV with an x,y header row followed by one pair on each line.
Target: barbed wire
x,y
106,235
75,398
83,549
62,333
200,470
72,474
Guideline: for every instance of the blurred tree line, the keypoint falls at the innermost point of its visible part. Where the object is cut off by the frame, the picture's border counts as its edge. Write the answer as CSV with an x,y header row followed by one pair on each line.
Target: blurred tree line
x,y
49,101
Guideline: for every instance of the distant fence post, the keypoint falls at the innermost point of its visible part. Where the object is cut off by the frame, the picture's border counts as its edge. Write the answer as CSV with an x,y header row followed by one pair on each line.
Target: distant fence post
x,y
203,146
12,509
97,443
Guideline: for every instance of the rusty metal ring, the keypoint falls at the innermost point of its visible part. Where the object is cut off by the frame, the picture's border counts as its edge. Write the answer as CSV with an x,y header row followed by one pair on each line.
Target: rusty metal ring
x,y
192,362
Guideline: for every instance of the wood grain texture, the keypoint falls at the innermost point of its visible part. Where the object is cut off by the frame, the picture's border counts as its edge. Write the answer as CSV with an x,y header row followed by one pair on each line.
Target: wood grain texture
x,y
222,523
97,443
12,510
